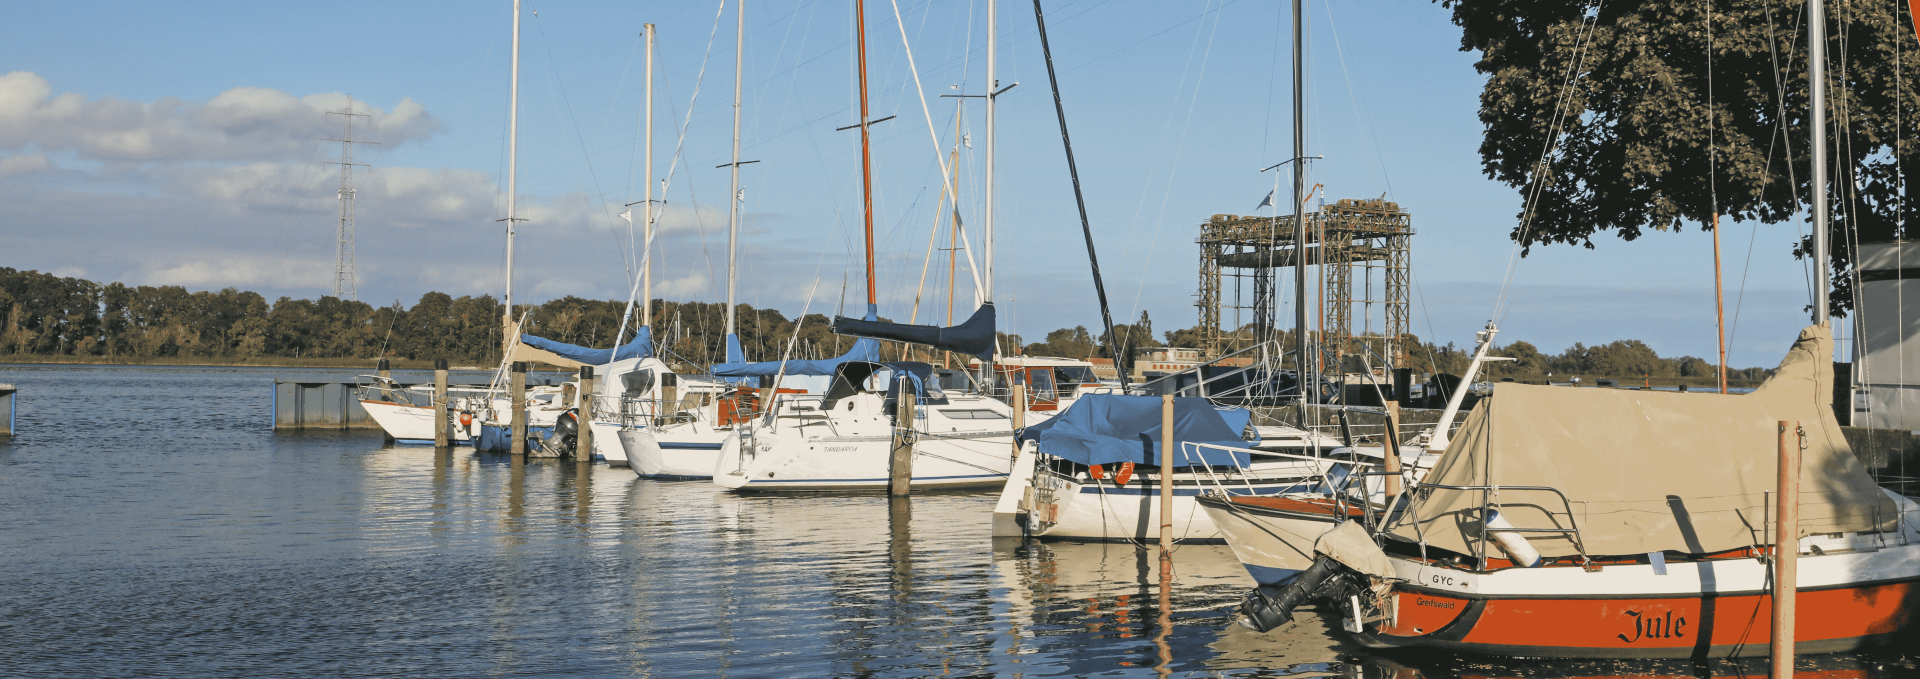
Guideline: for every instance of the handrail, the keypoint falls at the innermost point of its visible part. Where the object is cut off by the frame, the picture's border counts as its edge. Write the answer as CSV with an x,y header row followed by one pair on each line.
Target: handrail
x,y
1579,540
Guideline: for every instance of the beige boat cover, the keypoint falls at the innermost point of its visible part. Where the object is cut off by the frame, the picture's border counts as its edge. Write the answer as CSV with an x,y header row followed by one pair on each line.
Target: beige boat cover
x,y
1649,471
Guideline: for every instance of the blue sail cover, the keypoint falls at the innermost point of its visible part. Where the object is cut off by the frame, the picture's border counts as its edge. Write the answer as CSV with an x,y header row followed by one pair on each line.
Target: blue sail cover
x,y
863,350
640,347
975,336
1111,429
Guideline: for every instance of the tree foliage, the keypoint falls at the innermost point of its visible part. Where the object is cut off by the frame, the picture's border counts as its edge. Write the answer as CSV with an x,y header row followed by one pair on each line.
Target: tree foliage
x,y
1601,115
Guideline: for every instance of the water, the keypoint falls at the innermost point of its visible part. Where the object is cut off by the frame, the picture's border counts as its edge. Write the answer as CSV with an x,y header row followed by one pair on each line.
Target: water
x,y
151,524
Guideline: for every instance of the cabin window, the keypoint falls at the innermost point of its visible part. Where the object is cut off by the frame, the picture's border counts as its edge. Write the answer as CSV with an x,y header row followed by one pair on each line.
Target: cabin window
x,y
1074,374
1042,387
971,414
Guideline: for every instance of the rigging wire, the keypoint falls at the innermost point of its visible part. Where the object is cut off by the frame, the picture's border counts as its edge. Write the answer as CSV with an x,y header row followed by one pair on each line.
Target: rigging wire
x,y
1574,71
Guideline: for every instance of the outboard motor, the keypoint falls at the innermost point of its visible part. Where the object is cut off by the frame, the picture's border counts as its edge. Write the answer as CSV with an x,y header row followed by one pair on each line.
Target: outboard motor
x,y
1269,606
566,434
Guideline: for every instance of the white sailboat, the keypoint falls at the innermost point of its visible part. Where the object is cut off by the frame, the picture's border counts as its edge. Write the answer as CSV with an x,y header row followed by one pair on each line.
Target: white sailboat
x,y
842,439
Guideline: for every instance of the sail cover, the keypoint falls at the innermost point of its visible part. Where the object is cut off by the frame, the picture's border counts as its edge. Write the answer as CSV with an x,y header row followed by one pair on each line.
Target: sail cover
x,y
572,356
975,337
1110,429
863,350
1649,471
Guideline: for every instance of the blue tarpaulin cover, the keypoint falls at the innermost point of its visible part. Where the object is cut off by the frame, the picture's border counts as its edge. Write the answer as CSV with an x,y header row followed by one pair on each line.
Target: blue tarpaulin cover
x,y
863,350
640,347
1111,429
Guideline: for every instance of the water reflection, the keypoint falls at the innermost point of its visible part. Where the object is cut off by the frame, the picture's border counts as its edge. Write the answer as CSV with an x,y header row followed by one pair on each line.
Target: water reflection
x,y
170,539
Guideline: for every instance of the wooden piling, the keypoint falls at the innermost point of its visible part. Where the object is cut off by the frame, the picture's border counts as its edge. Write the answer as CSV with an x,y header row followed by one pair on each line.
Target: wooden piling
x,y
1019,408
900,464
583,441
442,427
668,408
386,380
1166,481
1786,550
766,395
517,392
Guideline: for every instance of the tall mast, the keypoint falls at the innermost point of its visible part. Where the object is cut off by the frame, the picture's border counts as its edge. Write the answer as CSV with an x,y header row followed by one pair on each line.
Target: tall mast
x,y
733,196
646,232
1302,362
866,152
513,141
993,86
1817,77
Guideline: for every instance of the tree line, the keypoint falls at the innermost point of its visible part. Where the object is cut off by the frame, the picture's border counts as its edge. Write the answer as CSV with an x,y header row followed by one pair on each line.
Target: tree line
x,y
48,315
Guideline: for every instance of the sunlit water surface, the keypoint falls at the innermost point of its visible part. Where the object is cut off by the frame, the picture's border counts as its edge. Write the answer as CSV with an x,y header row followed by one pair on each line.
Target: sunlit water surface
x,y
152,524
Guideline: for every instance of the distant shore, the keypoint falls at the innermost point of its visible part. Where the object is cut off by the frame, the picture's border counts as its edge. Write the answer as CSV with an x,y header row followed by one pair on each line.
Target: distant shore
x,y
367,364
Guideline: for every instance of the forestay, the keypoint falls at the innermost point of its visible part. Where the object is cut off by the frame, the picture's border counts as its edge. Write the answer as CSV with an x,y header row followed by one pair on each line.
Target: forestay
x,y
1111,429
1649,471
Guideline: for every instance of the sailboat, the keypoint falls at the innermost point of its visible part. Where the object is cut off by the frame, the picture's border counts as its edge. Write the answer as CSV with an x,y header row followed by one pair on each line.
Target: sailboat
x,y
1601,523
842,439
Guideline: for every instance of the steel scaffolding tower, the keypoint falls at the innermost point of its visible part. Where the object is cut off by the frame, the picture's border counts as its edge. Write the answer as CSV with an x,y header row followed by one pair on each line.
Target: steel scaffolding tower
x,y
1373,234
344,285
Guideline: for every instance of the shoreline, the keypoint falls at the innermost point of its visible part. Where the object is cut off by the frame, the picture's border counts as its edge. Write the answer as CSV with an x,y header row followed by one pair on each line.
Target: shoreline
x,y
369,364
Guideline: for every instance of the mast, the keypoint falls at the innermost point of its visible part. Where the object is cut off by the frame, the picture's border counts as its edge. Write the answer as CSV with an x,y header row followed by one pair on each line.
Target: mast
x,y
993,86
1302,362
1817,77
646,232
866,153
513,142
733,195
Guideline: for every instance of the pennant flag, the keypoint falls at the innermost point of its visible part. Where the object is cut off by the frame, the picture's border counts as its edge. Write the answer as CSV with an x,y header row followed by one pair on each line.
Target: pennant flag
x,y
1265,202
628,215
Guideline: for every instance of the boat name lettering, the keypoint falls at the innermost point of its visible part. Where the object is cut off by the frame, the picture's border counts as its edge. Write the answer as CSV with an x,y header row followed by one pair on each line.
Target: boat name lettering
x,y
1655,626
1422,601
842,449
1443,580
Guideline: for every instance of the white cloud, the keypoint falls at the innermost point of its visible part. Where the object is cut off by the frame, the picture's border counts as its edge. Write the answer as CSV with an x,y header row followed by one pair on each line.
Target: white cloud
x,y
27,164
241,271
240,124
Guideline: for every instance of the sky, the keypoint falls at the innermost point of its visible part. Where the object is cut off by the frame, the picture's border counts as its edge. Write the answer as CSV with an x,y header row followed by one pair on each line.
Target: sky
x,y
155,145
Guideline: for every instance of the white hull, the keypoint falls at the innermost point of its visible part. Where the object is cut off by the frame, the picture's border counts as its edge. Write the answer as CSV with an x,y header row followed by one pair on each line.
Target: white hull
x,y
851,449
409,424
673,453
1080,508
1272,547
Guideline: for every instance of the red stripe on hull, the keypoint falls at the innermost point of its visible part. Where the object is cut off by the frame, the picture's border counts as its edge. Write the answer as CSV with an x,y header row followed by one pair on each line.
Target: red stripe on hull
x,y
1829,620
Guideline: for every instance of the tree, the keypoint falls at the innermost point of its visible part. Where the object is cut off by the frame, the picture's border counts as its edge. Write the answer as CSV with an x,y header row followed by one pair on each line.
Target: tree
x,y
1627,136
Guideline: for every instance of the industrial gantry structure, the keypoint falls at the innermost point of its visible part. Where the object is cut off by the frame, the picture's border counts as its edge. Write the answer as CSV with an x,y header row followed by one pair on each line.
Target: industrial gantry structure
x,y
1239,255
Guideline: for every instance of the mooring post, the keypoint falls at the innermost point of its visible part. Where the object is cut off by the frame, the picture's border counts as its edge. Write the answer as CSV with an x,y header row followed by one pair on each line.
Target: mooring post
x,y
668,408
1166,483
518,393
583,442
900,465
766,395
1786,549
442,427
1019,408
386,380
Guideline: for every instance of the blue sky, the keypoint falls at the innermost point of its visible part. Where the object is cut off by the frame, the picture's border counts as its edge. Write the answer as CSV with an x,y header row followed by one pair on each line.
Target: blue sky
x,y
158,145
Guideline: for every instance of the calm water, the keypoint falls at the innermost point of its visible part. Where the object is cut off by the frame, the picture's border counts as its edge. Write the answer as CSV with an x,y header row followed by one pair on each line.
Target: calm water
x,y
151,524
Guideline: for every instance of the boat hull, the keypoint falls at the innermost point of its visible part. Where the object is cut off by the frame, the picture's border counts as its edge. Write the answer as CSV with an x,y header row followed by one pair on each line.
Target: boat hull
x,y
1683,609
1273,540
1051,506
1829,621
410,424
833,464
657,454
